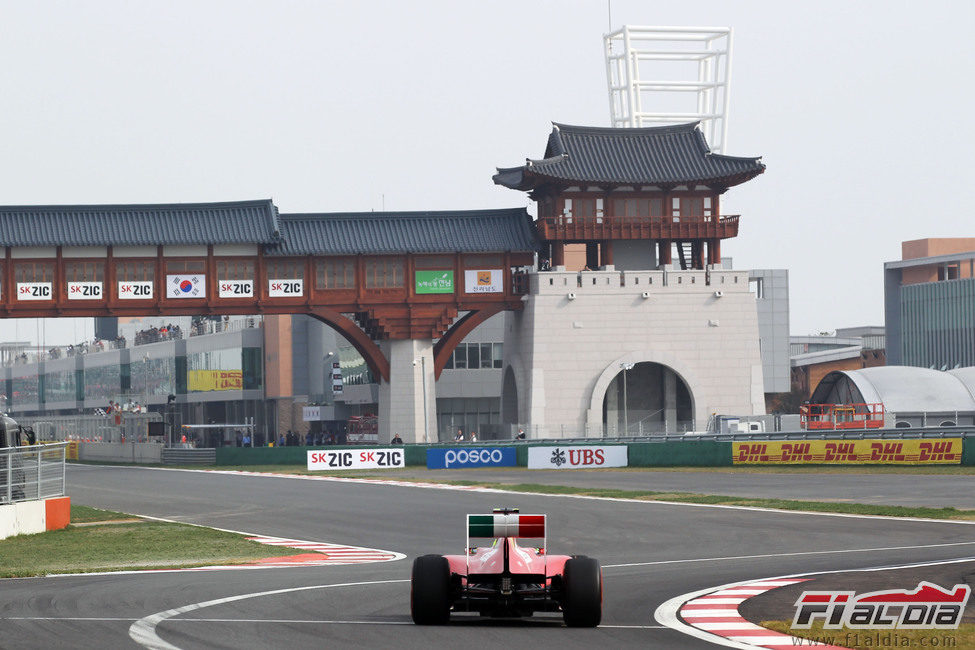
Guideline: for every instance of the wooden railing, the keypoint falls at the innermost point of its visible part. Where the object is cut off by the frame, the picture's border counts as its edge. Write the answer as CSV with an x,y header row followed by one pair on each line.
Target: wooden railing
x,y
569,227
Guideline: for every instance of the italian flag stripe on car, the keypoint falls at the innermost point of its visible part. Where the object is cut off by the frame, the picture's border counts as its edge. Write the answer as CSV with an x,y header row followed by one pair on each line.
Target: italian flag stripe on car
x,y
506,525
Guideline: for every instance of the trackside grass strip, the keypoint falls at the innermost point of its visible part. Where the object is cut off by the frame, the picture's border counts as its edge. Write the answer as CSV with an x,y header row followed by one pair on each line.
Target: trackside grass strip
x,y
112,541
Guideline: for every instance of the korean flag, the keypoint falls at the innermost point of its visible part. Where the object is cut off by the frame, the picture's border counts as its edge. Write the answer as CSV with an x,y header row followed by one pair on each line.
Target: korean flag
x,y
186,286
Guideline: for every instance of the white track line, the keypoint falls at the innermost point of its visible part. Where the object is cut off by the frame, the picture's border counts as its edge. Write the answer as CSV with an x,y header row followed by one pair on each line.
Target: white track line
x,y
795,553
667,613
143,631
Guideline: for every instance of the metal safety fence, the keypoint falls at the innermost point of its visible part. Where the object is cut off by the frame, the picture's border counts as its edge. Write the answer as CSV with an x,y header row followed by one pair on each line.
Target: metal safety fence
x,y
32,473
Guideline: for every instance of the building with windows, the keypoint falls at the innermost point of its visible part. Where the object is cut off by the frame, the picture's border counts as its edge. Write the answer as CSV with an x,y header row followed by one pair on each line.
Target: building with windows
x,y
850,348
243,369
929,304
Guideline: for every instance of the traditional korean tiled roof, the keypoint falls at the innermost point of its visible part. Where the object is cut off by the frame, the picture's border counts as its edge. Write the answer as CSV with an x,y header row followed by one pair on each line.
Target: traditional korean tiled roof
x,y
464,231
662,155
239,222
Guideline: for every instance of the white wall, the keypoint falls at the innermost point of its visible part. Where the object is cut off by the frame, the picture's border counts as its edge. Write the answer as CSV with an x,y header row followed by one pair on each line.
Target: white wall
x,y
573,346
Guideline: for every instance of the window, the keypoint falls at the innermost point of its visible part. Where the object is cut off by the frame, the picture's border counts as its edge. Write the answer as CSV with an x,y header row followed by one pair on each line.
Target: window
x,y
433,262
286,269
335,273
186,266
757,287
485,355
34,272
84,271
384,272
482,261
473,356
460,356
135,271
235,269
692,206
585,208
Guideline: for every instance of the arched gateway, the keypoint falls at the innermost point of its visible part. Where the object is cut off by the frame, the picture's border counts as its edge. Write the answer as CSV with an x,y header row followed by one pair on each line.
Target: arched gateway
x,y
390,282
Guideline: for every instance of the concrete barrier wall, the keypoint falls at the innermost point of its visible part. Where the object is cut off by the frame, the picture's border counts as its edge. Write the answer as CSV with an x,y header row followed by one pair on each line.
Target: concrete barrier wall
x,y
693,453
968,451
683,453
120,452
29,517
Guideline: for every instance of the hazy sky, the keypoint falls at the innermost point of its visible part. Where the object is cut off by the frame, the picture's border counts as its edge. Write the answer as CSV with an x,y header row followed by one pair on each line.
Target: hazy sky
x,y
861,111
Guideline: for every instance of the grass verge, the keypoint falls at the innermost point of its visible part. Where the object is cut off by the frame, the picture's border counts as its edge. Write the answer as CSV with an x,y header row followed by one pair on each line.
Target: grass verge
x,y
963,637
115,545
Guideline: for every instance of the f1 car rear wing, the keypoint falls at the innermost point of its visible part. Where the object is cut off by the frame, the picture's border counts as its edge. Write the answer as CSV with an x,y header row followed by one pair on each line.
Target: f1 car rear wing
x,y
505,522
506,525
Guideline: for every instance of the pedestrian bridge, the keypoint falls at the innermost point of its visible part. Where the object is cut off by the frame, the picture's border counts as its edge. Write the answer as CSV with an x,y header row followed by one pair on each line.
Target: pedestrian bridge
x,y
372,276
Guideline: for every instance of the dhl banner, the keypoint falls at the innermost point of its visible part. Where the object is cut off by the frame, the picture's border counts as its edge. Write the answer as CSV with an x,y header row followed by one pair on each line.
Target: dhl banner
x,y
207,380
943,451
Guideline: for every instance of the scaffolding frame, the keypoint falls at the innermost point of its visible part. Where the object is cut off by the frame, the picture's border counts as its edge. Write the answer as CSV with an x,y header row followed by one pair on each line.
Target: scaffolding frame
x,y
629,94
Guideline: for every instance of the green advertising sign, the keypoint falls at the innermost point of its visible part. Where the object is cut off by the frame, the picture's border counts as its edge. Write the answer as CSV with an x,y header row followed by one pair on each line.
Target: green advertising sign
x,y
434,282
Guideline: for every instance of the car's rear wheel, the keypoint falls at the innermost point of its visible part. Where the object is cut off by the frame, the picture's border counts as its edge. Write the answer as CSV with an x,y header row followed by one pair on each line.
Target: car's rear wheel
x,y
582,604
430,590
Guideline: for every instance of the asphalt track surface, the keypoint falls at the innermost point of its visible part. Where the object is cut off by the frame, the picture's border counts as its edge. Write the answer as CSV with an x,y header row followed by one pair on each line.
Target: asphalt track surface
x,y
650,553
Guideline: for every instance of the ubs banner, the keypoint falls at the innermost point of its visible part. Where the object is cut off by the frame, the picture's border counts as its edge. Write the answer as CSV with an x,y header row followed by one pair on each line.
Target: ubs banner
x,y
942,451
463,457
587,457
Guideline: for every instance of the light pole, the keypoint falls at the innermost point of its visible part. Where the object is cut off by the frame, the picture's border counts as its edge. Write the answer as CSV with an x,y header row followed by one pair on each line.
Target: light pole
x,y
145,381
626,420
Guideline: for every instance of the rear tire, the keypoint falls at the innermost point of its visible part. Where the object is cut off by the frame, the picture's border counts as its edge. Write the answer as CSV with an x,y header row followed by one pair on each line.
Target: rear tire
x,y
430,590
582,604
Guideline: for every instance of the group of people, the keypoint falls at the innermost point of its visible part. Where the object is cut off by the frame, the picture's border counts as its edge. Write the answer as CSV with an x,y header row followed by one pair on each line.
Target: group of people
x,y
118,407
156,334
460,436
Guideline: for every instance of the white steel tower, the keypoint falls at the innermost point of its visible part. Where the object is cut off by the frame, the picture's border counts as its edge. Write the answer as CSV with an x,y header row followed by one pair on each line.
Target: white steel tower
x,y
661,75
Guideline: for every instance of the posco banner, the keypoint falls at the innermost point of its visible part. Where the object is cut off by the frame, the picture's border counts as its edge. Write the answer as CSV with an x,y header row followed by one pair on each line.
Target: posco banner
x,y
464,457
577,457
943,451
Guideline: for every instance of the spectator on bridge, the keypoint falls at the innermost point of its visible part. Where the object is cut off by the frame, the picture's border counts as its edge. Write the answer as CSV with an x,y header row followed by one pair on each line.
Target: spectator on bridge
x,y
473,436
246,440
460,436
396,440
521,434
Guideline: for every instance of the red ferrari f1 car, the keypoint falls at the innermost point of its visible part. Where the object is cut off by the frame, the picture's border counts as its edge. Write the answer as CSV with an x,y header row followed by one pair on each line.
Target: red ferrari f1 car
x,y
506,579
